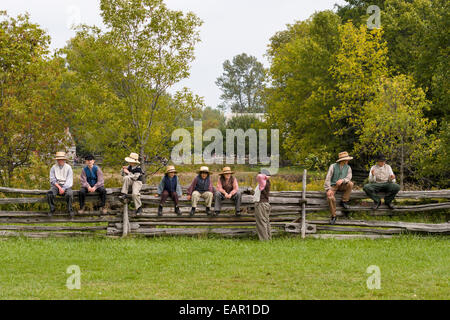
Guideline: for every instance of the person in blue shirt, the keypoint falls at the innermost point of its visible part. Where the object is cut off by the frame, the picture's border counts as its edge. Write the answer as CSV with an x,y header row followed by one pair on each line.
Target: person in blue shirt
x,y
169,187
92,181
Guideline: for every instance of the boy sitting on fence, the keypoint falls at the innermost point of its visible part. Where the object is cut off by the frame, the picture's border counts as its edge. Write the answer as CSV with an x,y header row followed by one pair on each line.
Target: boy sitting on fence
x,y
133,178
170,187
92,181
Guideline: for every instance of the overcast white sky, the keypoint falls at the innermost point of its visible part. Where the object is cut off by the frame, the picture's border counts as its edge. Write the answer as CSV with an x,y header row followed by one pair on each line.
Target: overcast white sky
x,y
230,27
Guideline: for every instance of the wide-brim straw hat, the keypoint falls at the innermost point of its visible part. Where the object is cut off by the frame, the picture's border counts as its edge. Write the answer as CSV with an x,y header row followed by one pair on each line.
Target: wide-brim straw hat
x,y
204,169
171,169
343,156
133,158
226,170
60,156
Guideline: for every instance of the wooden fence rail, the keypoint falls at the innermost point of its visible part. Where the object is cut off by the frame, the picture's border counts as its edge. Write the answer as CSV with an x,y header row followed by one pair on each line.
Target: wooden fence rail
x,y
293,212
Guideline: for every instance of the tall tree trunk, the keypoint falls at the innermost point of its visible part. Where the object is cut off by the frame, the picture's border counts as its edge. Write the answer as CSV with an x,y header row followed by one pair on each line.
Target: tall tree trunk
x,y
143,165
402,162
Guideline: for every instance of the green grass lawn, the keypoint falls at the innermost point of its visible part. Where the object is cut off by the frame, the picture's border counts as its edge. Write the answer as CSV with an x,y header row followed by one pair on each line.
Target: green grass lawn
x,y
213,268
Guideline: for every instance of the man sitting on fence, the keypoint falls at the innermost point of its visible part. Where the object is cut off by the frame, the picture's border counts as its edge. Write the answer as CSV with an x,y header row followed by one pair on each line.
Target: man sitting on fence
x,y
133,178
92,181
339,179
382,179
61,180
201,187
227,188
170,186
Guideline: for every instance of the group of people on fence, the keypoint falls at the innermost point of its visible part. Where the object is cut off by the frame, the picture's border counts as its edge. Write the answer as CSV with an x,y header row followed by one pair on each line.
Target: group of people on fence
x,y
92,181
338,179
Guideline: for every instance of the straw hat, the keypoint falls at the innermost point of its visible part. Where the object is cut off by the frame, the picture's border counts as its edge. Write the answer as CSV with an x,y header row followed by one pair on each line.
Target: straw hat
x,y
226,170
60,156
344,156
171,169
204,169
133,158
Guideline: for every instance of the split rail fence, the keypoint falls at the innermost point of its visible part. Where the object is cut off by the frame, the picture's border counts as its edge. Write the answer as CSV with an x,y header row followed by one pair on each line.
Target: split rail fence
x,y
294,212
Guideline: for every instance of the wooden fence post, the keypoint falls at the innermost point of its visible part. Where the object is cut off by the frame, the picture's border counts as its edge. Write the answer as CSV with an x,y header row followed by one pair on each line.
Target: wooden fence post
x,y
304,205
126,221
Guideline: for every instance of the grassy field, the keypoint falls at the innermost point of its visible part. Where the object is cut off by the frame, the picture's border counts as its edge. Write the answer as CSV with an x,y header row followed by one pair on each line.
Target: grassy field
x,y
212,268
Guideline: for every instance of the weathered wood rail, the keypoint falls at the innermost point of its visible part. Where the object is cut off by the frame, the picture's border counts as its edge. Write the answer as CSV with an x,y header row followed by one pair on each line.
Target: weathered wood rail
x,y
293,212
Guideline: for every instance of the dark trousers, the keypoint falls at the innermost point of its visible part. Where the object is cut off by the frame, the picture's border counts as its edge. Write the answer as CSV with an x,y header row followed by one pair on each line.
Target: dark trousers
x,y
219,197
53,192
166,194
391,190
101,191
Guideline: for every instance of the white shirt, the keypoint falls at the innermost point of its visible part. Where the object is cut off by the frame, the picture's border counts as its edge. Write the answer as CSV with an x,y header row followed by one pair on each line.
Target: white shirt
x,y
381,174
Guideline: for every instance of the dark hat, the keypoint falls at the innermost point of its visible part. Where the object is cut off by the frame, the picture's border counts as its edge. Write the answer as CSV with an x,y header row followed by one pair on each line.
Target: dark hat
x,y
89,157
381,157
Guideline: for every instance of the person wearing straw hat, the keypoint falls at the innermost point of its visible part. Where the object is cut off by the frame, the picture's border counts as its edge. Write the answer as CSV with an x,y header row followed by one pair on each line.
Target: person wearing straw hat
x,y
201,187
227,188
382,179
61,180
338,179
262,205
133,178
170,186
92,181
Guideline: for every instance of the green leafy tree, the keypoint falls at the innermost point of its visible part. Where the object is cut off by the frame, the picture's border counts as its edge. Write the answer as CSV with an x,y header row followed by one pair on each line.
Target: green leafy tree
x,y
302,91
360,64
212,119
242,84
416,33
32,112
121,77
394,124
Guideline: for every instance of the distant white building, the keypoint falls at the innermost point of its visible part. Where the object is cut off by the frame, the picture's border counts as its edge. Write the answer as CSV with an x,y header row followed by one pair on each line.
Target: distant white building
x,y
72,149
259,116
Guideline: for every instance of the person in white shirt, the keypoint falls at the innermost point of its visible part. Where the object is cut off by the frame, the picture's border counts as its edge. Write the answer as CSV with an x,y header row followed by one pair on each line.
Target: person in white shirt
x,y
382,179
61,180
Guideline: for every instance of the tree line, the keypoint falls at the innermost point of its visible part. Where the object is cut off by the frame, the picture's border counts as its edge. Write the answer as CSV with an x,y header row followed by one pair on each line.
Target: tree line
x,y
332,84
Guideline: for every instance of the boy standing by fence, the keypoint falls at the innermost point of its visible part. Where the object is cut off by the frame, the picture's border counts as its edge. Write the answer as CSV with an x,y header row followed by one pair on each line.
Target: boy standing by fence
x,y
262,206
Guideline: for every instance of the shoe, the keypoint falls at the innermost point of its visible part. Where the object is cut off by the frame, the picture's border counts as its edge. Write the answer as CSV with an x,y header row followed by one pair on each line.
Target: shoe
x,y
208,211
104,210
177,211
122,197
192,212
160,209
51,212
238,213
376,205
390,206
345,205
216,213
71,213
81,211
333,220
139,211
